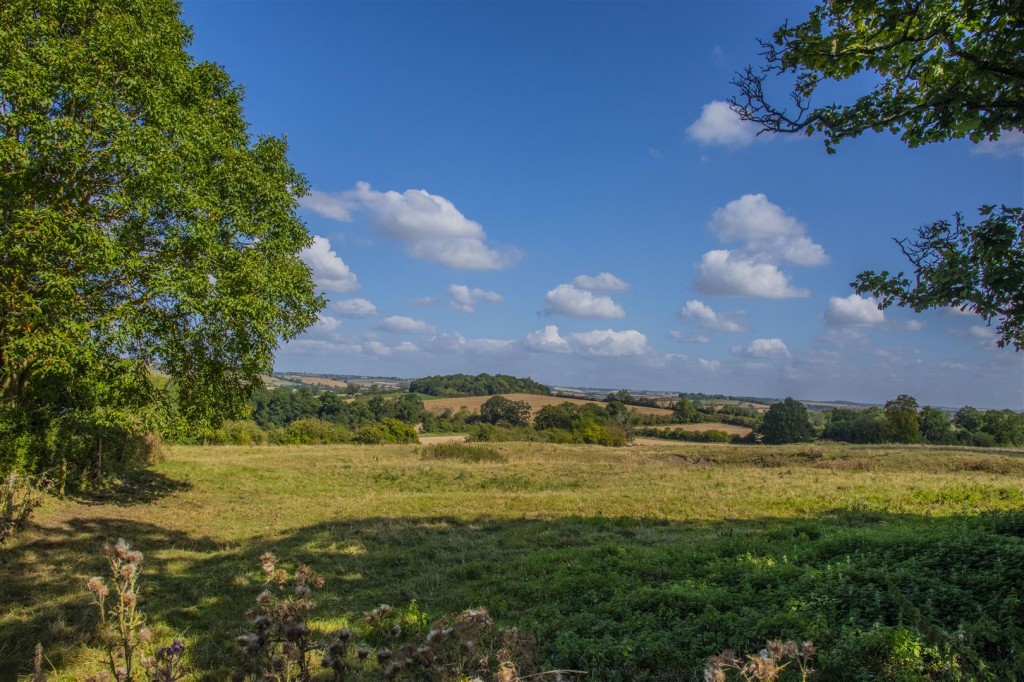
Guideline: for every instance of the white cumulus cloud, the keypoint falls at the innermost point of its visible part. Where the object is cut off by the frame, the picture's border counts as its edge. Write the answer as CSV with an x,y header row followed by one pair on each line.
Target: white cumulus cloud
x,y
767,230
400,324
1010,143
854,311
724,273
458,342
430,225
719,124
330,205
598,342
608,342
606,281
325,324
763,348
981,332
465,299
384,351
707,318
686,338
548,340
566,299
329,270
353,307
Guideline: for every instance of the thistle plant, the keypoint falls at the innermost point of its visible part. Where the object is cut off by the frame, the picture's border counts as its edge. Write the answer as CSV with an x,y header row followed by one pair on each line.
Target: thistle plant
x,y
279,646
167,664
121,623
765,666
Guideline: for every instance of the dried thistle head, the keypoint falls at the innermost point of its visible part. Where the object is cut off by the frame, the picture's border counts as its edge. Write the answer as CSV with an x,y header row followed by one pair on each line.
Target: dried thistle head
x,y
307,576
98,587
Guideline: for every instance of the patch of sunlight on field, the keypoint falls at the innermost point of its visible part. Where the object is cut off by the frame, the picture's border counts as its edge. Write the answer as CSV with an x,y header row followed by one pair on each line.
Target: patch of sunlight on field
x,y
529,537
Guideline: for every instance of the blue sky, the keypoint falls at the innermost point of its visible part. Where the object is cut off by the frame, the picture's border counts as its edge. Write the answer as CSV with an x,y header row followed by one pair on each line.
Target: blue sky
x,y
556,190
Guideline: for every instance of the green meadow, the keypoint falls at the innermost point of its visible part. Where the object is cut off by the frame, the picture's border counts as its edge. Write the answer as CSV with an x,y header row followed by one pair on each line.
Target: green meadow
x,y
629,563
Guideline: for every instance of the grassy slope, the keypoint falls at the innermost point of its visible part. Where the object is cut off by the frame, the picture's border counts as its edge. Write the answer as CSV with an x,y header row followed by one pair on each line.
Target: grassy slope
x,y
635,562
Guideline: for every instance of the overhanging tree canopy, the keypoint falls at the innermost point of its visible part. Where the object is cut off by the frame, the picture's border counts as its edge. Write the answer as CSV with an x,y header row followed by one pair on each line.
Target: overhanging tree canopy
x,y
948,69
140,224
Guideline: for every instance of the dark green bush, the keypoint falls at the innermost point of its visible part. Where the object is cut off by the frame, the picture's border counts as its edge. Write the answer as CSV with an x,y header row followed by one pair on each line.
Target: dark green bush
x,y
310,432
386,431
710,436
488,433
240,432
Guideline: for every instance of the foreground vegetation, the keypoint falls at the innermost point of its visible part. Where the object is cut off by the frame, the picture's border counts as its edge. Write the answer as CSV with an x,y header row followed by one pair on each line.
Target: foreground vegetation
x,y
630,563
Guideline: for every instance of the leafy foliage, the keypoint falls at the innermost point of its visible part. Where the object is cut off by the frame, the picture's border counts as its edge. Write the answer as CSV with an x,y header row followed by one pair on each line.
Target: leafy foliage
x,y
787,422
972,267
142,227
459,385
947,69
902,424
500,410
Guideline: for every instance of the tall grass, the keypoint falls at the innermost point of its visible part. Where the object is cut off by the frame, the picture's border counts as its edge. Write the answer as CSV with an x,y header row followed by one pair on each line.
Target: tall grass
x,y
631,563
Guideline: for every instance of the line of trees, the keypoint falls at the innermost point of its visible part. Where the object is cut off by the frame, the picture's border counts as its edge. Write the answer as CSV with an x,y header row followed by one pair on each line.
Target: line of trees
x,y
462,385
902,420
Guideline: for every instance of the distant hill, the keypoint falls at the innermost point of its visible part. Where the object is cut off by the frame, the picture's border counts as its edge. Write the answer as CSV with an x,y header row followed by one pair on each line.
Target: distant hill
x,y
460,385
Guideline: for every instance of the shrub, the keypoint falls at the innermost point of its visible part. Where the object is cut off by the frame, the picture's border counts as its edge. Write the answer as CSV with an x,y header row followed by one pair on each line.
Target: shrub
x,y
488,433
18,498
709,436
386,431
608,435
311,432
238,433
462,452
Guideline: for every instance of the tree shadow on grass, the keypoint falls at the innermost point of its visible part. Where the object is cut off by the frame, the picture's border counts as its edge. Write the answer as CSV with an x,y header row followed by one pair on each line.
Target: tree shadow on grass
x,y
627,599
140,486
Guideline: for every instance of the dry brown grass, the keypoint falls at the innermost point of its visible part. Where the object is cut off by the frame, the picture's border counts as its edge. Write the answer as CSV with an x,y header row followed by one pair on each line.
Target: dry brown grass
x,y
473,403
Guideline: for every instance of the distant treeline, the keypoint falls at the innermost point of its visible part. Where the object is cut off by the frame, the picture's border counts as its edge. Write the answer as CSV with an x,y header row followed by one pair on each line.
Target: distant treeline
x,y
969,426
279,407
462,385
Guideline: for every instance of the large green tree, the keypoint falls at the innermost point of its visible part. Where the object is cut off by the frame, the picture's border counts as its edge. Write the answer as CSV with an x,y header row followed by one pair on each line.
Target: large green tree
x,y
141,226
786,422
902,422
946,69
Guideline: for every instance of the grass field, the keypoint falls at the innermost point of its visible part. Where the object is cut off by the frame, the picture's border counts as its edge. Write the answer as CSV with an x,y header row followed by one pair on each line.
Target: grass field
x,y
473,403
631,563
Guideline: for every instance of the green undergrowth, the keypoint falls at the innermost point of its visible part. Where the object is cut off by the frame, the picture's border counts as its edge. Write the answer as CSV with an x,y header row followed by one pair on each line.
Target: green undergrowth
x,y
634,563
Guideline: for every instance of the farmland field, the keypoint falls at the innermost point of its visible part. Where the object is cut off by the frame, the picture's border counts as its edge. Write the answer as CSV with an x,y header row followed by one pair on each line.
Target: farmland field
x,y
630,563
473,403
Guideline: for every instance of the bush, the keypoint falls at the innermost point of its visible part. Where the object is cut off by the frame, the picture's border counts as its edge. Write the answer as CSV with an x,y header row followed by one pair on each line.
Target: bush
x,y
76,449
311,432
488,433
18,499
462,452
386,431
608,435
238,433
709,436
